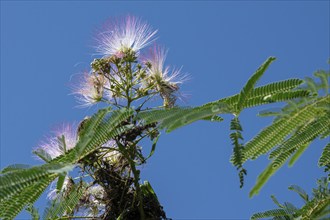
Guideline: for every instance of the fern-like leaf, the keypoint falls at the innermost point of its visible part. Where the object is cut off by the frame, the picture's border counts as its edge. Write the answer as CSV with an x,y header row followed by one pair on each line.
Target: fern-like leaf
x,y
276,133
300,192
14,167
65,204
171,119
10,207
315,208
325,157
270,213
236,137
249,86
14,182
98,130
303,136
177,117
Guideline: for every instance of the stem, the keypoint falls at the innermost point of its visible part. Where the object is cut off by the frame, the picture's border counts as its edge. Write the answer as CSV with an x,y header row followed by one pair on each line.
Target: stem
x,y
136,174
129,78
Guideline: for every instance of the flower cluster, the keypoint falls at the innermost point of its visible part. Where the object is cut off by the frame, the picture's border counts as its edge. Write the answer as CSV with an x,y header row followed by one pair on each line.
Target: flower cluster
x,y
122,76
122,73
124,34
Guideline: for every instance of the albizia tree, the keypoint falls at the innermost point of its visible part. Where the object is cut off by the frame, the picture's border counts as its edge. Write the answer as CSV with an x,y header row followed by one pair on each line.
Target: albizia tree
x,y
93,168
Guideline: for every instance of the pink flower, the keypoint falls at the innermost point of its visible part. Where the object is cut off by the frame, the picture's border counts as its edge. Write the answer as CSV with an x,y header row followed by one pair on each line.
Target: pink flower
x,y
160,77
64,139
90,89
159,72
124,34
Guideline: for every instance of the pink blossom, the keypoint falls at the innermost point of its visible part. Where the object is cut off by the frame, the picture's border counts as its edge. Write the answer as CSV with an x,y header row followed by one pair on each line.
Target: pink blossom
x,y
125,33
89,89
159,71
64,138
160,77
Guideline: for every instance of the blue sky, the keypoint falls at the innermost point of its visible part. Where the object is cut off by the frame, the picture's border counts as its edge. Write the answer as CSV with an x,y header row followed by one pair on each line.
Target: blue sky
x,y
219,43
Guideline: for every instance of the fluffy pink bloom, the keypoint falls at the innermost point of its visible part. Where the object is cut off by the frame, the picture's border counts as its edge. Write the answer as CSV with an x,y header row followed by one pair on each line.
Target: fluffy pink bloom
x,y
89,89
123,34
160,77
158,70
55,145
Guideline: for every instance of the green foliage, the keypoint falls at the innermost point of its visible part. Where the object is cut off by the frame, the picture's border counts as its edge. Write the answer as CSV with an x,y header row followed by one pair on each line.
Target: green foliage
x,y
295,127
20,185
325,157
11,206
100,128
236,137
249,86
14,167
15,182
279,130
263,94
171,119
315,207
65,203
33,211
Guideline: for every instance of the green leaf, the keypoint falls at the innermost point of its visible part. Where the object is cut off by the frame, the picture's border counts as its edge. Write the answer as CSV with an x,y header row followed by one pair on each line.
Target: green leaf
x,y
214,118
270,213
303,136
10,207
280,129
297,154
62,144
42,154
171,119
325,157
153,147
147,189
262,179
98,130
14,167
235,137
60,182
276,201
15,182
65,204
300,191
315,208
249,86
33,211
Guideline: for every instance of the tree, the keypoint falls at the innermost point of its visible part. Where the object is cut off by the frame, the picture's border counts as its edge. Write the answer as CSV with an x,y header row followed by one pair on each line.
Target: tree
x,y
105,150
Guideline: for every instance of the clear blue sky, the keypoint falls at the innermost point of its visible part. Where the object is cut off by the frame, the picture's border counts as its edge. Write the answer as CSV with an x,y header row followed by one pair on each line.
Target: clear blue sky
x,y
219,43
